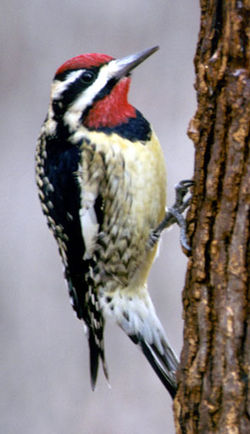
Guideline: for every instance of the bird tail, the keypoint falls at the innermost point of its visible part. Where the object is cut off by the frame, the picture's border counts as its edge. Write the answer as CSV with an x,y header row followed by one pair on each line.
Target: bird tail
x,y
96,352
164,365
142,325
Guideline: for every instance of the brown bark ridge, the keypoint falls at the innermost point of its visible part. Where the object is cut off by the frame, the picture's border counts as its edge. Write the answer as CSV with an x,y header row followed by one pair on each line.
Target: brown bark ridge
x,y
213,393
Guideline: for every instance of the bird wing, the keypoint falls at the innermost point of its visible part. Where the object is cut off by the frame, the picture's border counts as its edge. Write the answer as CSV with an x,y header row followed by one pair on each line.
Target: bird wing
x,y
73,208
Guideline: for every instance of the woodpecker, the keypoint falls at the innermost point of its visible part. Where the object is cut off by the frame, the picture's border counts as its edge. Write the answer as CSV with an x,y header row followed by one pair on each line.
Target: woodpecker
x,y
101,178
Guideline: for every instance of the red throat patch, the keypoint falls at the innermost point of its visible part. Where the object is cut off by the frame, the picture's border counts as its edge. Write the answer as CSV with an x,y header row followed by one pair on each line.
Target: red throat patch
x,y
113,109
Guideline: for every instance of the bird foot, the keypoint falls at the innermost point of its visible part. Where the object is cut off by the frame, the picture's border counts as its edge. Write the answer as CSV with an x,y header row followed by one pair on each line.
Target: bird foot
x,y
174,215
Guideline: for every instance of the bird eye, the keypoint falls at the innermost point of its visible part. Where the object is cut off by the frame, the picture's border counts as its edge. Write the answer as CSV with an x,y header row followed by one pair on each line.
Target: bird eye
x,y
87,76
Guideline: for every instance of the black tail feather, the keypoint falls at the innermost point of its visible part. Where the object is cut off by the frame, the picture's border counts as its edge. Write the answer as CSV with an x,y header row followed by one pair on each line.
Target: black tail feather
x,y
164,364
95,352
161,366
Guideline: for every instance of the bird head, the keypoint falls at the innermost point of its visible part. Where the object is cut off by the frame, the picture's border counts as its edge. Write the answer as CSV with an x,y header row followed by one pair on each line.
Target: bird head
x,y
92,89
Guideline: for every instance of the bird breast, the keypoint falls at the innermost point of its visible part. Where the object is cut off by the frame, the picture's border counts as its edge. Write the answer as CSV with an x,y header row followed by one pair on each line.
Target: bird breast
x,y
130,179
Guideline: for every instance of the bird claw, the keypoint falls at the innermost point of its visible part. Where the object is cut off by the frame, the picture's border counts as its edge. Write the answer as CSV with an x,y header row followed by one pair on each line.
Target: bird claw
x,y
180,220
181,189
174,214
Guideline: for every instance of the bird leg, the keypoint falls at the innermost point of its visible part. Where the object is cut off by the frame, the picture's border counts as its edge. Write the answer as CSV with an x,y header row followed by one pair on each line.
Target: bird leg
x,y
174,215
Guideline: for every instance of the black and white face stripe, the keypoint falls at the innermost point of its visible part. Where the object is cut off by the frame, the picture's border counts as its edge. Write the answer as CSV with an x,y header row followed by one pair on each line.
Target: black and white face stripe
x,y
73,92
73,84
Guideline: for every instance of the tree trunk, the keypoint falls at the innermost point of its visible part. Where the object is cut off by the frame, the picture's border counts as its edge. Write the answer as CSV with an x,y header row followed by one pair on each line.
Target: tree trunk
x,y
213,394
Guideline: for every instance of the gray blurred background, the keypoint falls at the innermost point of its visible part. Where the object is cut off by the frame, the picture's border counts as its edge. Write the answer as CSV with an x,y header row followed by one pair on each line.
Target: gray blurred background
x,y
45,386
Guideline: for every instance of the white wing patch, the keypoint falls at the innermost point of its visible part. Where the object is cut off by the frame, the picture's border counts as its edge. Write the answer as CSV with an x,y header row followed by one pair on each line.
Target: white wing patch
x,y
88,218
90,229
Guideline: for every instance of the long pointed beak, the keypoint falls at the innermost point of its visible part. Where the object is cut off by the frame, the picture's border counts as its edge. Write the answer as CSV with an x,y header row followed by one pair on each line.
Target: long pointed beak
x,y
122,67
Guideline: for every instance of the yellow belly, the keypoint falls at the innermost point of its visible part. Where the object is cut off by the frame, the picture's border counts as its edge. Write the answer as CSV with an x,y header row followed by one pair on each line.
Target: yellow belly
x,y
131,178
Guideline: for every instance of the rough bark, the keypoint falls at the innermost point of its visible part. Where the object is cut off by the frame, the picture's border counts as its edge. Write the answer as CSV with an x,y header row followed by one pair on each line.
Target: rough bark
x,y
213,394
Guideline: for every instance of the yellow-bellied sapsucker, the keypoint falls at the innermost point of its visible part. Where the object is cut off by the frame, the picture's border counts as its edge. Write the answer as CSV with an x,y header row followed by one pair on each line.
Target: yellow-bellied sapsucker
x,y
102,184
